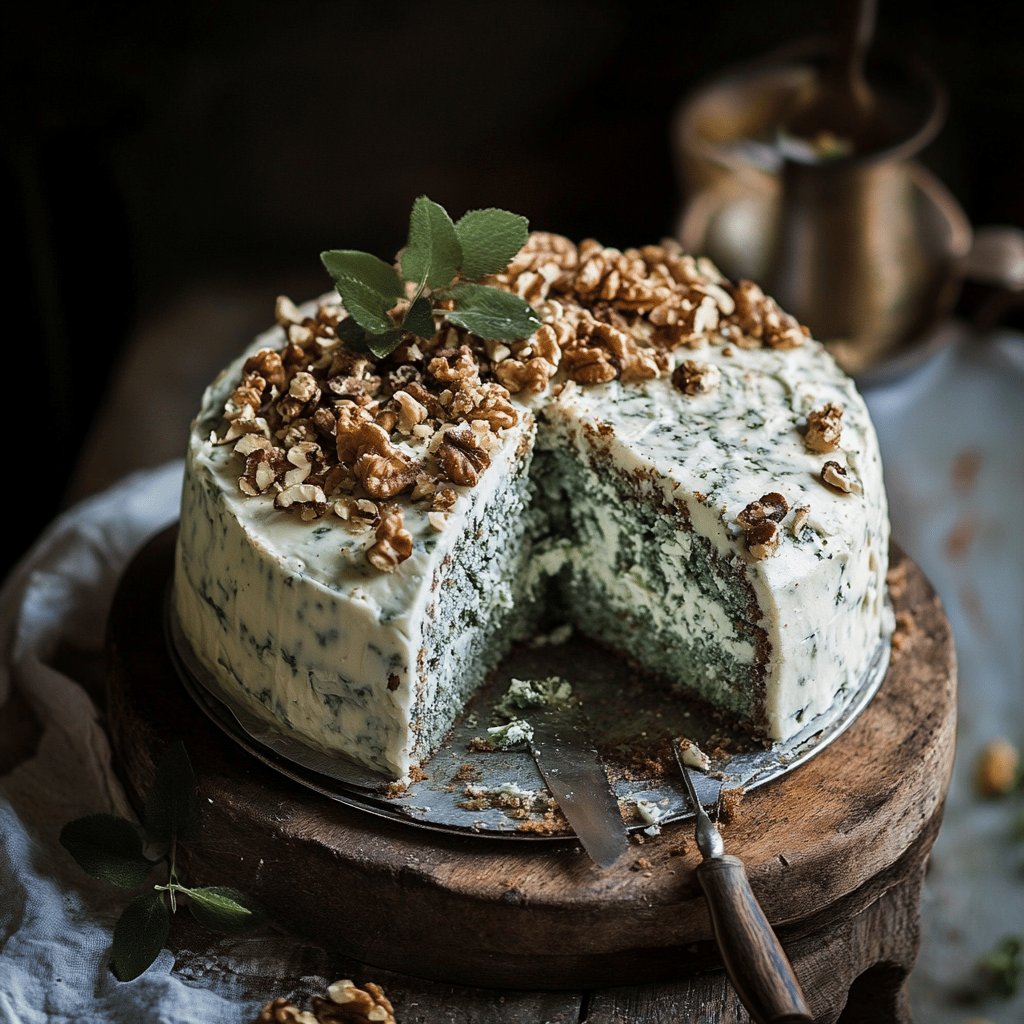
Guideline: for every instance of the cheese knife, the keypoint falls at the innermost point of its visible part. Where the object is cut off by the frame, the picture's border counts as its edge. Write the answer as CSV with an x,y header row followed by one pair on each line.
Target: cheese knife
x,y
574,774
754,959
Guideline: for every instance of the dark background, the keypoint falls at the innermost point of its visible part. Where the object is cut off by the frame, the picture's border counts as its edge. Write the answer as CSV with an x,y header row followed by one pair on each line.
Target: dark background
x,y
149,150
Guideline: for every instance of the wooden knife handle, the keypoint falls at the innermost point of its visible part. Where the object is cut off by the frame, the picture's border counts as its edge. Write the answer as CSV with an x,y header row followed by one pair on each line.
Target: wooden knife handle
x,y
754,959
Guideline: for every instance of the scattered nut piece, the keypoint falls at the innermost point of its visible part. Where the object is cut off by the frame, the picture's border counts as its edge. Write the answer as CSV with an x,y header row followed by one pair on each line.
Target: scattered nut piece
x,y
800,516
462,457
838,478
763,539
996,769
393,544
824,428
693,378
693,756
772,506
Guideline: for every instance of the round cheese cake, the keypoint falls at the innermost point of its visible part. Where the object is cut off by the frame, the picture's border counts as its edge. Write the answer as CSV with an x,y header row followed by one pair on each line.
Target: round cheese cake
x,y
669,462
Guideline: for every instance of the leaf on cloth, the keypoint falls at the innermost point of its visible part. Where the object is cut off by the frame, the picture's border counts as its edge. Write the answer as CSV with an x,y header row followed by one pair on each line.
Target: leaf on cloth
x,y
139,935
107,847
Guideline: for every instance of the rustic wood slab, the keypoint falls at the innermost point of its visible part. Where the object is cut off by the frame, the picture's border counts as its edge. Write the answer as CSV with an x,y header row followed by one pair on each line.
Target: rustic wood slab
x,y
829,840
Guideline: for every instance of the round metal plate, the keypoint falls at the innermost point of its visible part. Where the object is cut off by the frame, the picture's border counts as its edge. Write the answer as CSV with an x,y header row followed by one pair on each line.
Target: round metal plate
x,y
500,793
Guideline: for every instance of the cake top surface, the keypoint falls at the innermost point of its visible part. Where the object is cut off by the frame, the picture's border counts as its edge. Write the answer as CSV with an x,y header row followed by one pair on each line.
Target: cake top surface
x,y
705,381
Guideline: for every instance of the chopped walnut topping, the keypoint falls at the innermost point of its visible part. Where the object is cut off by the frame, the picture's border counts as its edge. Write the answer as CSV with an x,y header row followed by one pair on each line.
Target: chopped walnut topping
x,y
763,539
760,317
693,378
393,544
462,457
305,457
800,516
249,392
316,413
286,312
410,412
824,427
385,476
760,521
438,520
444,500
449,365
772,506
358,513
359,436
246,422
308,499
589,366
533,375
838,478
264,467
267,363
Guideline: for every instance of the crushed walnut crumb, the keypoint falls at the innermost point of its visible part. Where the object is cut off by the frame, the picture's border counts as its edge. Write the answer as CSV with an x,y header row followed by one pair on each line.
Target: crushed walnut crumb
x,y
838,478
824,428
393,544
760,522
693,378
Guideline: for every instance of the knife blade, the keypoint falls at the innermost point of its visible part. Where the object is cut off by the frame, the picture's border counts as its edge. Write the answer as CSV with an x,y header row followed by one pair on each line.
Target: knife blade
x,y
574,774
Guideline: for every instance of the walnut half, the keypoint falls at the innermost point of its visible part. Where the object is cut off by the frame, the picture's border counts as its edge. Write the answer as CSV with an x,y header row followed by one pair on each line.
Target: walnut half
x,y
393,544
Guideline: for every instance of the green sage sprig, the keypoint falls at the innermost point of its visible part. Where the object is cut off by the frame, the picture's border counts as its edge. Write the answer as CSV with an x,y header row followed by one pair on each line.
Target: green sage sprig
x,y
441,265
116,850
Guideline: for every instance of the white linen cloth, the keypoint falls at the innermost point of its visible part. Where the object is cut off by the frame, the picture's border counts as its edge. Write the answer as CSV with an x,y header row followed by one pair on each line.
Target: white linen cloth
x,y
962,411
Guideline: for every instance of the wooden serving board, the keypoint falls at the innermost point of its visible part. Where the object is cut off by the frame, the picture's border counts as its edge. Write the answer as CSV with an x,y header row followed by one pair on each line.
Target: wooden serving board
x,y
540,915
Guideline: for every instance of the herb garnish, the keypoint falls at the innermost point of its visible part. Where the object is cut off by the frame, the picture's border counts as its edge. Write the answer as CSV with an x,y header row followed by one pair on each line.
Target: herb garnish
x,y
439,274
116,850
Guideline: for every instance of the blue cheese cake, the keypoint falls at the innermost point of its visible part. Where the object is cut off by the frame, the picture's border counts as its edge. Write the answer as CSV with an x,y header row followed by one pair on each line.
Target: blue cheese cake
x,y
670,461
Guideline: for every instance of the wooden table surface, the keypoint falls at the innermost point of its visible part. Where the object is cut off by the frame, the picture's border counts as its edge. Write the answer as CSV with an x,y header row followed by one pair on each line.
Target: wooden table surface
x,y
835,851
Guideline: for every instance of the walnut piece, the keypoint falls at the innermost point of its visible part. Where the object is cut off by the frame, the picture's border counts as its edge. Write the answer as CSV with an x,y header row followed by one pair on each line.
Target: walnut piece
x,y
824,428
267,363
996,769
763,539
772,506
348,1004
385,476
693,378
393,544
760,521
589,366
462,457
838,478
283,1011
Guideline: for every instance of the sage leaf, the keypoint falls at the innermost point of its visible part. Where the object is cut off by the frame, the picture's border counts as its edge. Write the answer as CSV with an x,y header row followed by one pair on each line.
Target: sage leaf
x,y
139,935
349,332
107,847
489,239
367,307
492,314
367,269
432,254
172,805
382,345
223,909
420,319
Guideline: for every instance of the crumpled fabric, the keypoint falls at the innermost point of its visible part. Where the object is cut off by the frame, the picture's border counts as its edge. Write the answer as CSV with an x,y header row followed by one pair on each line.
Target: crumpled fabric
x,y
56,923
